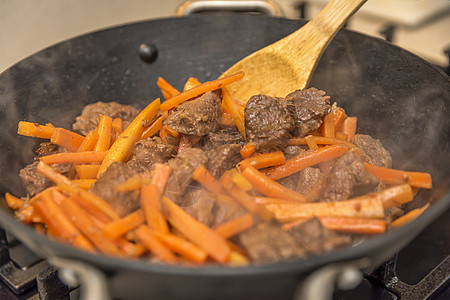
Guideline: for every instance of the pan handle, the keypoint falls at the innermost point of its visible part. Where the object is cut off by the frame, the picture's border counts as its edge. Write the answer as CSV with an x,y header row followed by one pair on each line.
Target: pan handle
x,y
75,273
320,284
266,7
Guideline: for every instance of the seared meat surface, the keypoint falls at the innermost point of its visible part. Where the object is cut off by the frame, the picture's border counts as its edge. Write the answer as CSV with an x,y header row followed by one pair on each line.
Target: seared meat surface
x,y
222,137
148,152
373,151
223,158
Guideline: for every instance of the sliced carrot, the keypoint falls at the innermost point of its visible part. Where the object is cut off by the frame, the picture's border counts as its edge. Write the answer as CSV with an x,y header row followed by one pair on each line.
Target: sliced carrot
x,y
133,183
263,160
84,184
349,127
339,117
271,200
123,146
226,119
235,226
117,125
121,226
237,259
409,217
202,175
248,150
104,133
304,160
192,82
341,136
201,89
167,87
202,236
34,130
13,202
87,171
327,127
149,240
311,142
182,247
52,174
89,142
392,176
74,157
160,176
153,128
171,131
320,140
151,206
240,180
235,110
67,139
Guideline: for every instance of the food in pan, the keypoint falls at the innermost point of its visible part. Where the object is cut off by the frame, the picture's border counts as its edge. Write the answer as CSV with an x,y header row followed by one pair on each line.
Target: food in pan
x,y
203,178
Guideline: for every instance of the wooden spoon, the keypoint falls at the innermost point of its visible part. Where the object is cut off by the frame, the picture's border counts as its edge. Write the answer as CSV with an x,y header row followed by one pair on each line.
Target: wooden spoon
x,y
288,64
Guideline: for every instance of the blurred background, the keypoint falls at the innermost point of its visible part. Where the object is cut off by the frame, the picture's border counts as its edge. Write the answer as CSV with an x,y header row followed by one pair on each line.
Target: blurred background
x,y
420,26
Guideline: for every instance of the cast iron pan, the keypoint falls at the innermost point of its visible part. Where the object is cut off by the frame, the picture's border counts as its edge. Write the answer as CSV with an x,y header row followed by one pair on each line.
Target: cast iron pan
x,y
398,98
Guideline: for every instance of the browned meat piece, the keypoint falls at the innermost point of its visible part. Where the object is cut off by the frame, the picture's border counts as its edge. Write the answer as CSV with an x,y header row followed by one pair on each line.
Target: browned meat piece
x,y
393,213
307,179
199,203
223,158
267,123
147,153
183,165
88,119
222,137
196,117
314,238
348,178
373,151
267,242
225,210
292,151
47,148
105,187
308,107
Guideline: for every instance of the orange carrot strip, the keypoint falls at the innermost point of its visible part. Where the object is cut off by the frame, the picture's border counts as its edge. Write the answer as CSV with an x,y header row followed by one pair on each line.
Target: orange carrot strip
x,y
123,146
34,130
271,200
84,223
320,140
121,226
84,184
226,119
61,226
235,110
117,125
87,171
13,202
349,127
192,82
151,205
160,176
289,225
304,160
52,174
74,157
132,183
354,225
166,94
198,90
263,160
28,214
341,136
311,142
270,188
67,139
149,240
182,247
171,131
235,226
409,217
391,196
167,87
239,179
339,117
89,142
204,177
104,133
248,150
327,127
392,176
237,259
205,238
153,128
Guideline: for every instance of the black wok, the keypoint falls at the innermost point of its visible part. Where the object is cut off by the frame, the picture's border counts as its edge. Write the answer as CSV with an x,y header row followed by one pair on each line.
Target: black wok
x,y
398,98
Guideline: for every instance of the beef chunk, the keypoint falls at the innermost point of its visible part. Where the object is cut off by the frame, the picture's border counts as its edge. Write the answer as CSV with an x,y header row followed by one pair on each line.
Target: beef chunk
x,y
47,148
88,119
314,238
373,151
307,179
348,178
292,151
201,207
308,107
183,165
267,123
105,187
196,117
267,242
223,158
393,213
147,153
222,137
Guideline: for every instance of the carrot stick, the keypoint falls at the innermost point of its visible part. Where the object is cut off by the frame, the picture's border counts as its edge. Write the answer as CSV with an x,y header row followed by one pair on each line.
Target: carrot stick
x,y
132,183
392,196
201,89
117,126
271,200
263,160
226,119
67,139
60,225
89,142
289,225
171,131
235,110
339,117
409,217
153,128
151,205
202,175
320,140
237,259
123,146
104,133
349,127
327,127
182,247
87,171
149,240
166,94
160,176
34,130
84,184
167,87
74,157
239,179
235,226
341,136
304,160
121,226
392,176
311,142
270,188
52,174
84,223
248,150
192,82
205,238
13,202
28,214
364,208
